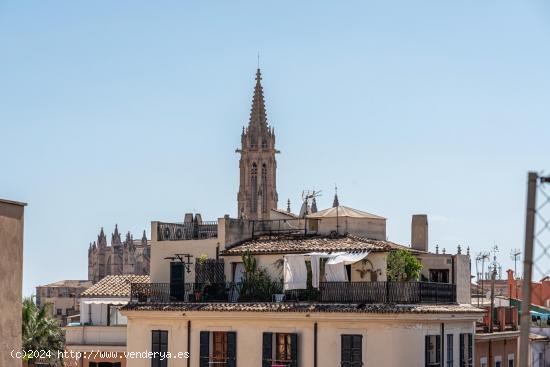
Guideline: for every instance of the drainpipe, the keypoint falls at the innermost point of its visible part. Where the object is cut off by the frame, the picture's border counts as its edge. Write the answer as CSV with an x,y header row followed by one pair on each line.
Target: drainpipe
x,y
315,345
189,342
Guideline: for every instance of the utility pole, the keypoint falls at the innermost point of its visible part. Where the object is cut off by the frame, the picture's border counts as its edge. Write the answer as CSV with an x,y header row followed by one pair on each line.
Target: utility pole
x,y
492,313
527,267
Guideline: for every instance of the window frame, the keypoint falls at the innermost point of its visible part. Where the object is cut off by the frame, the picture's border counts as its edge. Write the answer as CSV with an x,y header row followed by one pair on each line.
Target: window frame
x,y
432,347
156,361
449,355
351,363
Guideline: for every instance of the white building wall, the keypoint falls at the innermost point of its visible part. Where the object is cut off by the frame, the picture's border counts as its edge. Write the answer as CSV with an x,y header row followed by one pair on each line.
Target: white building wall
x,y
386,342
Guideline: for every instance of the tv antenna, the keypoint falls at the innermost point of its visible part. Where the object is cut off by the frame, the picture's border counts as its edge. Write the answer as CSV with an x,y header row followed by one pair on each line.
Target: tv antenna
x,y
515,255
309,195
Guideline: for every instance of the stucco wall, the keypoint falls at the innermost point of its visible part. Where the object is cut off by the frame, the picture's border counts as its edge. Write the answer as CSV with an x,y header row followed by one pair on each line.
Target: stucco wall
x,y
381,335
462,278
500,348
160,267
11,279
362,227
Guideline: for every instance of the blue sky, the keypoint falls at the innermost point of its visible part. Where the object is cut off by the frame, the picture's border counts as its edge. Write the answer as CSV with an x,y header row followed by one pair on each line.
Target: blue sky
x,y
127,112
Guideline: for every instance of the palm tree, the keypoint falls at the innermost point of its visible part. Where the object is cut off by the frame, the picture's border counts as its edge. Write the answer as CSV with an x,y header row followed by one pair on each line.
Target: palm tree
x,y
41,332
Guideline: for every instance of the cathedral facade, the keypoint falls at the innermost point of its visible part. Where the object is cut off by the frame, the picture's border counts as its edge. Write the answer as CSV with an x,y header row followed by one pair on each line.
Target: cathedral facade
x,y
258,185
121,257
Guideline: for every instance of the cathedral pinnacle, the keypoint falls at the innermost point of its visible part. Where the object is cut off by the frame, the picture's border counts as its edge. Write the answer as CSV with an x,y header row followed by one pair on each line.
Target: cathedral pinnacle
x,y
258,116
335,203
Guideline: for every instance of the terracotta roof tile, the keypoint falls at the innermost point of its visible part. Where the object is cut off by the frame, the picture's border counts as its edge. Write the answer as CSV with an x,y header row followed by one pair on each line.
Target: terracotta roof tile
x,y
302,307
114,286
288,245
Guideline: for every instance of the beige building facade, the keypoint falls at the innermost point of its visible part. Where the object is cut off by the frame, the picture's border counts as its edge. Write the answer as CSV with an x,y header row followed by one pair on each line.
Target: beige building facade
x,y
62,298
387,339
11,279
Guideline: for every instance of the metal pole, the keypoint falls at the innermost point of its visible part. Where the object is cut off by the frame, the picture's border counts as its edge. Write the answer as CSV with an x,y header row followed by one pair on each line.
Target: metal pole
x,y
527,268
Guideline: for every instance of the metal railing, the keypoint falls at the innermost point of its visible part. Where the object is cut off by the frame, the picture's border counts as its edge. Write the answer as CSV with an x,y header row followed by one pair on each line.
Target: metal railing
x,y
273,227
328,292
186,231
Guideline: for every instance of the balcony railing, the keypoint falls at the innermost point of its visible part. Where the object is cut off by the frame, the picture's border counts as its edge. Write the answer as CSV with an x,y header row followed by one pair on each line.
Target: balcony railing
x,y
186,231
274,227
328,292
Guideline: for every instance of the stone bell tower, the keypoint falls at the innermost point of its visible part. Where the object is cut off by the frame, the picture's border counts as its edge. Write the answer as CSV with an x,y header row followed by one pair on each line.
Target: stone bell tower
x,y
258,167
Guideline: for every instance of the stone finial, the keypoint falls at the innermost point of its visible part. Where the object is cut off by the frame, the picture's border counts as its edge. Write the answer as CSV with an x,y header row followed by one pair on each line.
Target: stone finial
x,y
313,206
115,237
128,238
468,251
335,202
437,249
288,206
459,250
444,251
144,238
101,239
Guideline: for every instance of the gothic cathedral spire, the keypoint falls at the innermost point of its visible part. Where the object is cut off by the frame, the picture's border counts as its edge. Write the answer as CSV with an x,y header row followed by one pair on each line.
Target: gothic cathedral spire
x,y
258,188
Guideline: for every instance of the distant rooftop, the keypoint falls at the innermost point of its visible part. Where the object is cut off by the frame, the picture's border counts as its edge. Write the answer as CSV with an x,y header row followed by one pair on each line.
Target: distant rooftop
x,y
69,283
114,286
5,201
343,211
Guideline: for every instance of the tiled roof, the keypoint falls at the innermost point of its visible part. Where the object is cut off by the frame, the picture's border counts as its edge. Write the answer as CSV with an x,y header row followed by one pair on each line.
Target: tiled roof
x,y
114,286
286,245
69,283
302,307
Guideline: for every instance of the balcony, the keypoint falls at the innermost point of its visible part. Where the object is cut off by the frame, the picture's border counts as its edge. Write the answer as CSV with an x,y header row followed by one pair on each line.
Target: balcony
x,y
186,231
328,292
95,335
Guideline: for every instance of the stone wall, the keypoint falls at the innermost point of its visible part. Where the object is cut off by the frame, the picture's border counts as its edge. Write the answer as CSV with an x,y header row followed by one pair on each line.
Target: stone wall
x,y
11,280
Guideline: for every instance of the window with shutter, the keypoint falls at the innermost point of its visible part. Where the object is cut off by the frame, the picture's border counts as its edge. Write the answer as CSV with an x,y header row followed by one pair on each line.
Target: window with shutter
x,y
352,350
159,347
450,351
280,349
466,350
218,348
432,349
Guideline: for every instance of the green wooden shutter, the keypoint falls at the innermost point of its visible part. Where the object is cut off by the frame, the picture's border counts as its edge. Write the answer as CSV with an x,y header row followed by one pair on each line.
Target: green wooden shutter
x,y
462,362
231,349
267,349
155,347
438,349
204,349
294,349
470,350
345,358
163,347
427,350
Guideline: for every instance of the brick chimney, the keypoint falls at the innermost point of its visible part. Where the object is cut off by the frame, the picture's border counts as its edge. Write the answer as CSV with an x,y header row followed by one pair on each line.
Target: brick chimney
x,y
419,232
